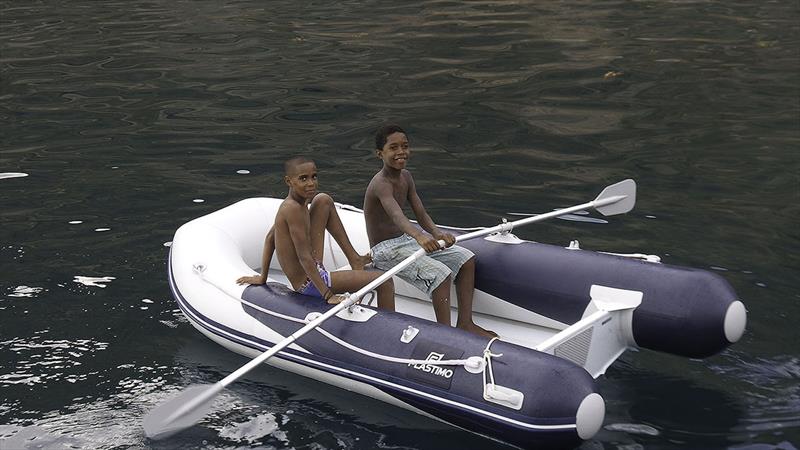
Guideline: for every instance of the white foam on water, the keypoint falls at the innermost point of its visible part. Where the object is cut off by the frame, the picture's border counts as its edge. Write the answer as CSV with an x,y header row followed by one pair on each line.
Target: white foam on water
x,y
633,428
169,323
253,430
12,175
43,360
93,281
25,291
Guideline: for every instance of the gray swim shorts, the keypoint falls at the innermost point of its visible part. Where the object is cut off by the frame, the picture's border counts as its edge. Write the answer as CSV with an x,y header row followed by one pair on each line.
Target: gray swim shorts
x,y
427,272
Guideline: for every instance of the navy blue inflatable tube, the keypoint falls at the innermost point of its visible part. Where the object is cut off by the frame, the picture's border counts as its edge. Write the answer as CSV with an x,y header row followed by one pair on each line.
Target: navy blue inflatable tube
x,y
553,387
682,311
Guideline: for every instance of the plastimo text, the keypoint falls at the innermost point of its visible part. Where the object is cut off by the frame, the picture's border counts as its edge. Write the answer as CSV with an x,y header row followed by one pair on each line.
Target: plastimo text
x,y
434,369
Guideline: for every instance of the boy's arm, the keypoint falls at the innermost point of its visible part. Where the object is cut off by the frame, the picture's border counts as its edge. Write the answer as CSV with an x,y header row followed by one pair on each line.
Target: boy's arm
x,y
297,218
424,219
266,259
384,193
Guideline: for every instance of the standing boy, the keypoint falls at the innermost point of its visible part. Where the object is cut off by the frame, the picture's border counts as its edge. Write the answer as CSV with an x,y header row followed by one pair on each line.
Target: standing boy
x,y
393,237
298,237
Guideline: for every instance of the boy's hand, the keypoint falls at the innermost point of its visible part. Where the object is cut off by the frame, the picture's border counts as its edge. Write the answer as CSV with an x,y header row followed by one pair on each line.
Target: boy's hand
x,y
255,279
338,298
448,238
428,242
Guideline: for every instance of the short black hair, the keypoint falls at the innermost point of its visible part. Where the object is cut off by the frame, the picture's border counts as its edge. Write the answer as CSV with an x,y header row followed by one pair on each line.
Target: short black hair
x,y
384,132
295,161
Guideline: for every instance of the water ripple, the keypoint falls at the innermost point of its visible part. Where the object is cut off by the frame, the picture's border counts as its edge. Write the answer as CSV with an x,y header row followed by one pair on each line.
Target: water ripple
x,y
40,361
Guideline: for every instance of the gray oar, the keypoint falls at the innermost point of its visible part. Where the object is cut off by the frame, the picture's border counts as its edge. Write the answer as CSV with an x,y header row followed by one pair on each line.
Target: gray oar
x,y
193,403
618,198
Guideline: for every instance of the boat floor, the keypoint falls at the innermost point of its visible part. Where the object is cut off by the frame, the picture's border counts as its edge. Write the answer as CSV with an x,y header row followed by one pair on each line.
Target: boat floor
x,y
515,332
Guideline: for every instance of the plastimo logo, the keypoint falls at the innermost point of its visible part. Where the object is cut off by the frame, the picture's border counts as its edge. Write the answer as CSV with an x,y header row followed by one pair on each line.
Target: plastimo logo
x,y
440,371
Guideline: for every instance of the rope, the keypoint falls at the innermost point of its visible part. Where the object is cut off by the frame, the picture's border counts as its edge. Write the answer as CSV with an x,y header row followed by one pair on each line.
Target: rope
x,y
445,362
469,362
488,388
273,313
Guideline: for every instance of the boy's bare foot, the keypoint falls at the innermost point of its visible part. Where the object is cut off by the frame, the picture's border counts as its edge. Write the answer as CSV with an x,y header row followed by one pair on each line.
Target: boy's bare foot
x,y
360,262
478,330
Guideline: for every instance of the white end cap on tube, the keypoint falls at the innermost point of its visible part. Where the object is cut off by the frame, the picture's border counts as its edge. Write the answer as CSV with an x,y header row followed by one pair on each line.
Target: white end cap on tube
x,y
590,415
735,321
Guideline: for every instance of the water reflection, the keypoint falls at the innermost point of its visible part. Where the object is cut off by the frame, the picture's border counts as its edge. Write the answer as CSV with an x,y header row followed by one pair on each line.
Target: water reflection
x,y
267,408
38,361
12,175
26,291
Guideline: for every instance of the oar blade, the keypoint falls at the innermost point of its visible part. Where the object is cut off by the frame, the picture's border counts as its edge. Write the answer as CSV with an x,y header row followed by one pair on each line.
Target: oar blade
x,y
159,423
618,198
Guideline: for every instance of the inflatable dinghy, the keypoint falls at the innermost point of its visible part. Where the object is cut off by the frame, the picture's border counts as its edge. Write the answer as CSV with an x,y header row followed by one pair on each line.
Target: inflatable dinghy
x,y
563,316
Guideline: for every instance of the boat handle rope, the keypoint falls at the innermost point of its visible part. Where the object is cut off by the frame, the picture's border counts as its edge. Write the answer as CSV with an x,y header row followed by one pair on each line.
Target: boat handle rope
x,y
472,364
489,391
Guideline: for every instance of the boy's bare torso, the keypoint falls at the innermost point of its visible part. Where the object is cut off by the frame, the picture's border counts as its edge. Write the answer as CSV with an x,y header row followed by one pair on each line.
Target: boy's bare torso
x,y
284,246
380,225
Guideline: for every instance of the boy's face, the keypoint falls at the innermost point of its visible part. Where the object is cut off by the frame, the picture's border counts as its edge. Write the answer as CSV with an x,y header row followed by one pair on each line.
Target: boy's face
x,y
395,151
302,180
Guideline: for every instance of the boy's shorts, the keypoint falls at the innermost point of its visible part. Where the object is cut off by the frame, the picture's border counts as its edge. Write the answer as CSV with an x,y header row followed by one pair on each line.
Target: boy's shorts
x,y
308,287
428,271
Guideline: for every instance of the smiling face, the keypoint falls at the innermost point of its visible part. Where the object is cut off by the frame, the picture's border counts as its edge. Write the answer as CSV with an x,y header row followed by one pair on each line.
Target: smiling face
x,y
302,180
395,152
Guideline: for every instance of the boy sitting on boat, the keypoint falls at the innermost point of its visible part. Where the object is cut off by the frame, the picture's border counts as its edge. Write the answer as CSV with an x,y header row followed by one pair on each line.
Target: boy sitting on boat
x,y
298,236
393,237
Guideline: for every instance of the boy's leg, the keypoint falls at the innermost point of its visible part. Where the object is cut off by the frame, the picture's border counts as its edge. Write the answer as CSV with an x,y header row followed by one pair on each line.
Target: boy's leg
x,y
465,290
324,217
441,302
461,262
426,274
352,280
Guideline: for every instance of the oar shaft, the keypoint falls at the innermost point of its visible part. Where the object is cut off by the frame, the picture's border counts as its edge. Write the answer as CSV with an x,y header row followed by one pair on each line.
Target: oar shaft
x,y
505,227
390,273
316,322
608,200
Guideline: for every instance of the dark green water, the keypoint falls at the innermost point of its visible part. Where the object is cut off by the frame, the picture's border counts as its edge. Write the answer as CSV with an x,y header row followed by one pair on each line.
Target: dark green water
x,y
124,115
